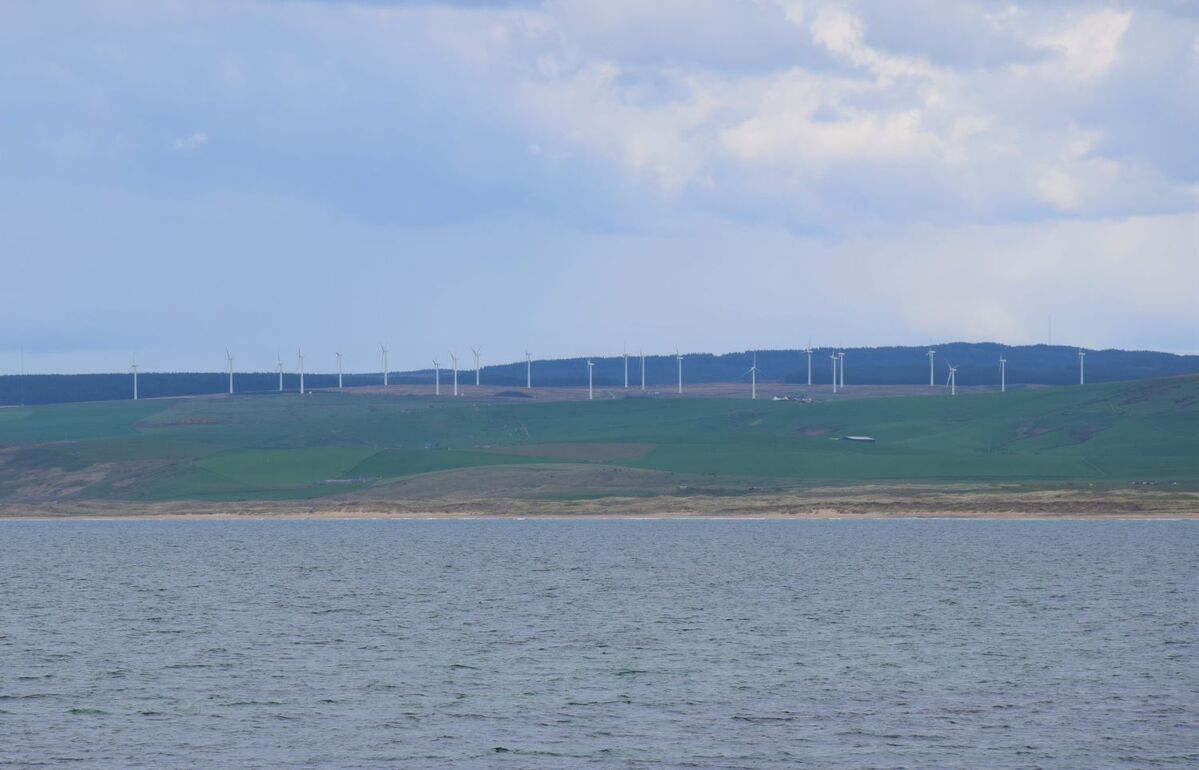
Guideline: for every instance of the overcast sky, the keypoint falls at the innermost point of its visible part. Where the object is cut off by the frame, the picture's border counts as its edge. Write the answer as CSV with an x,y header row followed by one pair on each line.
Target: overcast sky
x,y
572,177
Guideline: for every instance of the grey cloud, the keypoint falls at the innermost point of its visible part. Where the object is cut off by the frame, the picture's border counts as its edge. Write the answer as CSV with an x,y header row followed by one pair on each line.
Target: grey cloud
x,y
952,34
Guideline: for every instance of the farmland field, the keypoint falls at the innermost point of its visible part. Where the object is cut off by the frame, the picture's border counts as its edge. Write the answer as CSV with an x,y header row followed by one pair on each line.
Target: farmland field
x,y
378,447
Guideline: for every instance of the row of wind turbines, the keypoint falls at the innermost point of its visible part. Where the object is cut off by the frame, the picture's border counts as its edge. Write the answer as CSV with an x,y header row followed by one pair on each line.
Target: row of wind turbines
x,y
836,356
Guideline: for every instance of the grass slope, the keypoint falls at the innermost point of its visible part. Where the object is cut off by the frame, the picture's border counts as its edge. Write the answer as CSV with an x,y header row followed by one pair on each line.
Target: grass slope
x,y
288,447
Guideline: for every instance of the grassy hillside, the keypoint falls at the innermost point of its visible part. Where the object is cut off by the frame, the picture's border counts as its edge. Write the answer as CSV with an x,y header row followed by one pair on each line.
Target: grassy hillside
x,y
291,447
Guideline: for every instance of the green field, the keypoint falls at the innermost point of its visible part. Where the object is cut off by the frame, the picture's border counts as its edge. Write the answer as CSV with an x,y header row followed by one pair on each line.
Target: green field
x,y
325,444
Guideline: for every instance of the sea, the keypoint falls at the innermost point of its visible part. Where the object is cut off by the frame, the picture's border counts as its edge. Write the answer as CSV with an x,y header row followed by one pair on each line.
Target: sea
x,y
904,643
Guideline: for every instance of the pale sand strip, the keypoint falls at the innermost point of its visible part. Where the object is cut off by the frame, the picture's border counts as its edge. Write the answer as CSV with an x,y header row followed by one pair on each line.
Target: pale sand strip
x,y
827,503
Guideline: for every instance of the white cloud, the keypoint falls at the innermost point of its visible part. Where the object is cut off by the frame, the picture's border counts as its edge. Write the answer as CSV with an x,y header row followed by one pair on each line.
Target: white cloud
x,y
191,142
785,126
990,142
1088,45
1057,187
1105,281
842,33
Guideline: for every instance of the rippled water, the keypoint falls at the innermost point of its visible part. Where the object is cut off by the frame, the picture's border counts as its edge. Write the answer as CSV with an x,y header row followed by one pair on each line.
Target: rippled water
x,y
527,644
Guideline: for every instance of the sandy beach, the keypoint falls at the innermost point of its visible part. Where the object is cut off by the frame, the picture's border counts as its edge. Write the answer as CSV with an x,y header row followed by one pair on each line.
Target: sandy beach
x,y
826,503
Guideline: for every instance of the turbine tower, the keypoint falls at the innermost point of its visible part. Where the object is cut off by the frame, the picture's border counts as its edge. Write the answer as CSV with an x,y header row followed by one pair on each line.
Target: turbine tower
x,y
279,366
1082,380
476,366
590,379
753,378
1002,374
436,378
833,357
528,370
932,355
808,350
133,369
642,354
841,356
229,356
339,371
383,349
626,369
300,356
679,356
952,382
454,358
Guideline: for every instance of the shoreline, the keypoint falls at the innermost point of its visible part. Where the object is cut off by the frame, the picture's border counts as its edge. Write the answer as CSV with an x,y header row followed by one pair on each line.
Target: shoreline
x,y
864,503
597,517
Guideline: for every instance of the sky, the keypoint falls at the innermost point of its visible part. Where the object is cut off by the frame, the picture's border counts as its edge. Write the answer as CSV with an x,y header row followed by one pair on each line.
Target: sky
x,y
575,178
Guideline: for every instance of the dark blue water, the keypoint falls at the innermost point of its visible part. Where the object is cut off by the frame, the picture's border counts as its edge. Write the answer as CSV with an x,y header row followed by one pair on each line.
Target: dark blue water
x,y
552,644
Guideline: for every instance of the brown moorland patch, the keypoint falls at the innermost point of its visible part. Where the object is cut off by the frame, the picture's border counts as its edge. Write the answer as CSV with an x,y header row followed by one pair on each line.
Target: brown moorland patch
x,y
591,452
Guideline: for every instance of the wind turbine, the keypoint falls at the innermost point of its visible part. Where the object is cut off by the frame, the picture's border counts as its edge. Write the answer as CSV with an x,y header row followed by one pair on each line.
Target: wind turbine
x,y
436,378
932,356
383,349
229,356
833,356
133,369
1002,374
1082,380
679,356
626,369
339,371
590,380
476,366
952,382
753,374
454,358
279,366
841,356
642,354
300,356
528,369
808,350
